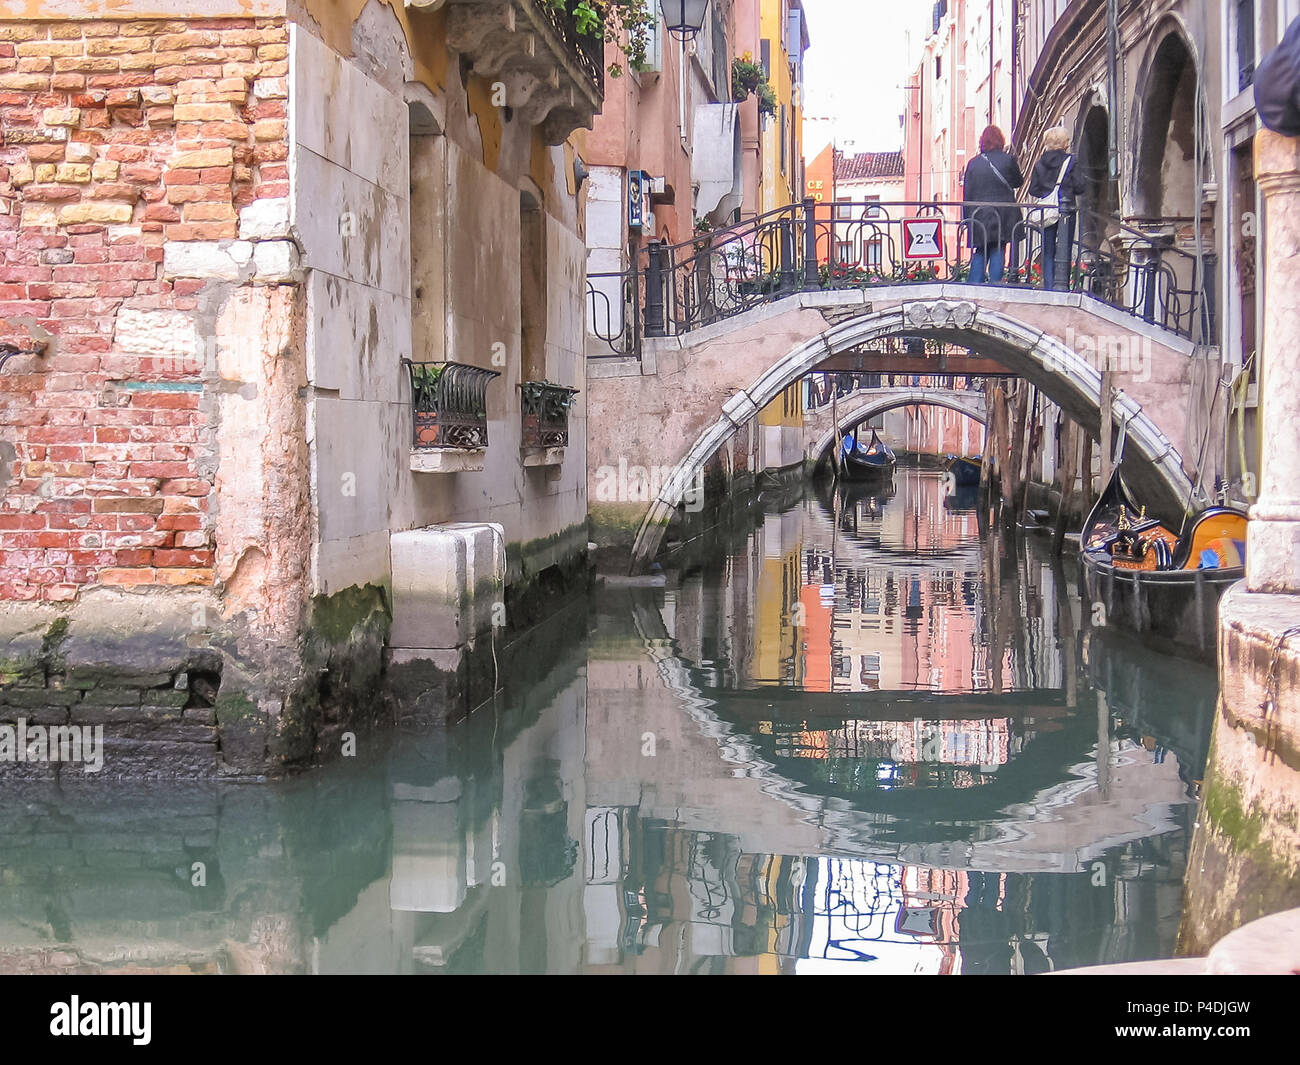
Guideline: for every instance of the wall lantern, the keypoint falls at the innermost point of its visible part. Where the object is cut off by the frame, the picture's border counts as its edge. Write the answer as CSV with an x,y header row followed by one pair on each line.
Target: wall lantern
x,y
685,18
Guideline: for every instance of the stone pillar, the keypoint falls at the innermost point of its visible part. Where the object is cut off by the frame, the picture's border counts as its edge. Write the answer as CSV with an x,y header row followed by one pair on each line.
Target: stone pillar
x,y
1273,548
1244,861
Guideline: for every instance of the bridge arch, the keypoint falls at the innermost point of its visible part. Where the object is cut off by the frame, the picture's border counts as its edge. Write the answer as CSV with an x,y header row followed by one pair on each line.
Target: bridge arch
x,y
1061,374
873,402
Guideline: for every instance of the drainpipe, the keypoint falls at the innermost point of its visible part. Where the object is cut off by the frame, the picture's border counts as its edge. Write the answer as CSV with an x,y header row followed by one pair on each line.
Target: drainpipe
x,y
920,146
681,94
992,88
1112,87
1015,62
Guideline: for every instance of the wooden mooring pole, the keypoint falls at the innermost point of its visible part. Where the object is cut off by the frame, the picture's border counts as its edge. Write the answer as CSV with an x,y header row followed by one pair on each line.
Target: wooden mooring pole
x,y
1107,426
1068,474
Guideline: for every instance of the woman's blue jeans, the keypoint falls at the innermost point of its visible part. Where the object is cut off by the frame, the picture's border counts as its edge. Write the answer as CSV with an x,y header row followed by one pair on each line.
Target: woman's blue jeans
x,y
987,264
1051,249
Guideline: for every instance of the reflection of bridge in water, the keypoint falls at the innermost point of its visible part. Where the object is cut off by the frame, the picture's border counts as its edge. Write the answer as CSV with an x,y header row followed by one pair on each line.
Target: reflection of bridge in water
x,y
540,837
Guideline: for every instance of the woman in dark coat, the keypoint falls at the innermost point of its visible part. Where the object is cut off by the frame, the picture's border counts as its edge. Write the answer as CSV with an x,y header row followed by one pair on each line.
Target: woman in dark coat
x,y
992,177
1056,157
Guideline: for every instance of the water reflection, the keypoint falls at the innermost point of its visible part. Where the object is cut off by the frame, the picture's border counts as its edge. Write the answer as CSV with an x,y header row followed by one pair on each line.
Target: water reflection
x,y
845,738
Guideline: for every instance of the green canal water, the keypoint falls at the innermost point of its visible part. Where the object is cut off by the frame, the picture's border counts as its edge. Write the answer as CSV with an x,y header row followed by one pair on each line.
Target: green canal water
x,y
843,736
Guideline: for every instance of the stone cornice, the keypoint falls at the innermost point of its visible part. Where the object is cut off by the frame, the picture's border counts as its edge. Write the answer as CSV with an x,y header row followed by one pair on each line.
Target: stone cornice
x,y
552,79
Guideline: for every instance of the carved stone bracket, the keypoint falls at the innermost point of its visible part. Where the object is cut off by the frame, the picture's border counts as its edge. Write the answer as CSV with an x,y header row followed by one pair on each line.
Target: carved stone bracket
x,y
553,76
940,314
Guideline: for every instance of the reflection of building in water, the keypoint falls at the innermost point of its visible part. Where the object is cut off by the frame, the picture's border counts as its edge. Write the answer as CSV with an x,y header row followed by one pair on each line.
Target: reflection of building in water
x,y
931,430
694,903
776,657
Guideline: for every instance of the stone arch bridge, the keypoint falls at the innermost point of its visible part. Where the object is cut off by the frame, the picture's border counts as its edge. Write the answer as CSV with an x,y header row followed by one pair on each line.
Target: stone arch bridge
x,y
821,430
687,395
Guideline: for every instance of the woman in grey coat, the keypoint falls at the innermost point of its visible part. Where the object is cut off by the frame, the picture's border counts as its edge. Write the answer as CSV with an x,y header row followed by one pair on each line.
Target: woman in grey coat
x,y
992,178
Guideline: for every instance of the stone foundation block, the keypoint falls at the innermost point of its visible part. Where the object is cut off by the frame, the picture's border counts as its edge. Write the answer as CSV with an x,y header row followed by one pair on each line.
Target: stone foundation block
x,y
447,580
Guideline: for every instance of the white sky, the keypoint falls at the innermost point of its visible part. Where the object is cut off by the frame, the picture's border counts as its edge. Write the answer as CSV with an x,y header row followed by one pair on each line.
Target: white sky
x,y
855,71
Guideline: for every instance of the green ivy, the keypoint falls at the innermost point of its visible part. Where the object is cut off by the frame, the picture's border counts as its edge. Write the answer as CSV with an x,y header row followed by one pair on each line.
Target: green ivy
x,y
626,23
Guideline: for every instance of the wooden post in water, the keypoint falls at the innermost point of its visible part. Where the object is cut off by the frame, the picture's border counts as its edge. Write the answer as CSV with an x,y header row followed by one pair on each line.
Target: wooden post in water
x,y
998,448
1085,473
1033,441
1068,474
835,426
1011,482
1107,424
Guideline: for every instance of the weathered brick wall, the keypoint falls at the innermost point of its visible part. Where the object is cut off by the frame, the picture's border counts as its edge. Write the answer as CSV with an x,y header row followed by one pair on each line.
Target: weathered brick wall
x,y
121,138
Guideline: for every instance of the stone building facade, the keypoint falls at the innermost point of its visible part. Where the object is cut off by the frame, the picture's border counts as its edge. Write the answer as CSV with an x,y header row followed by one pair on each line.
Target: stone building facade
x,y
1159,98
226,230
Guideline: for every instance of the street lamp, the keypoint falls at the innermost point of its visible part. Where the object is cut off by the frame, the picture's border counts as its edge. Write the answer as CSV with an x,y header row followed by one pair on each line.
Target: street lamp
x,y
685,18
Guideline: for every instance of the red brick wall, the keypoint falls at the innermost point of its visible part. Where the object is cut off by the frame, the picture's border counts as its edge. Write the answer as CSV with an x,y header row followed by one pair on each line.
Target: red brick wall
x,y
118,136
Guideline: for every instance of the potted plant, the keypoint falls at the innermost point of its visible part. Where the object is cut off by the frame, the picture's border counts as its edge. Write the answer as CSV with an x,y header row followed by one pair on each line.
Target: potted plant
x,y
749,77
424,401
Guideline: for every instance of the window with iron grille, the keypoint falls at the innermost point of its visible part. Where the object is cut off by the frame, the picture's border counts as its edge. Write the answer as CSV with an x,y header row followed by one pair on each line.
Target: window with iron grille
x,y
1245,44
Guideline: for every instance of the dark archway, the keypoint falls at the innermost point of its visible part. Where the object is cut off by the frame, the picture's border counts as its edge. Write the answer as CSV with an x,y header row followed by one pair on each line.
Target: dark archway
x,y
1093,152
1166,170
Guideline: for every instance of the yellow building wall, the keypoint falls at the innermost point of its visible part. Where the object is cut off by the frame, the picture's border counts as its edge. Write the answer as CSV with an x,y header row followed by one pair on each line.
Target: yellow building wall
x,y
786,409
781,185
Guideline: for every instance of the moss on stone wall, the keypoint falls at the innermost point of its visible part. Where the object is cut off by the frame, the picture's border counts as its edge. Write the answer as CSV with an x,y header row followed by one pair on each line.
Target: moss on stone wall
x,y
1241,865
340,684
530,557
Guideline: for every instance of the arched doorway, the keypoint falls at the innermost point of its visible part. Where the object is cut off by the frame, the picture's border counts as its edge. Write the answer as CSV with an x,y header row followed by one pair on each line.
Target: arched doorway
x,y
1093,154
1166,170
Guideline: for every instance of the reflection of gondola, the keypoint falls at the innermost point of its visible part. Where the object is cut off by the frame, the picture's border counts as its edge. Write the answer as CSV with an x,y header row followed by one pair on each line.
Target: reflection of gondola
x,y
856,501
965,470
1153,581
1167,701
875,462
959,496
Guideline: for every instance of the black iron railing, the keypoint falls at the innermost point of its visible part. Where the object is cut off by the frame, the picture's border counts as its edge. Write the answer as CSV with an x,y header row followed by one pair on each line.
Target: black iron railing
x,y
614,304
545,411
823,389
586,49
673,289
448,404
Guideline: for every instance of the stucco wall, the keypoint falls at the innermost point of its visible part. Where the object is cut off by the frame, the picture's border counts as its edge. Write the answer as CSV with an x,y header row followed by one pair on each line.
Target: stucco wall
x,y
353,172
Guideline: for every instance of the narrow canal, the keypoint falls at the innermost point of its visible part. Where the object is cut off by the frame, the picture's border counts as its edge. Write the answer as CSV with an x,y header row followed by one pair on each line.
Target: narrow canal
x,y
848,736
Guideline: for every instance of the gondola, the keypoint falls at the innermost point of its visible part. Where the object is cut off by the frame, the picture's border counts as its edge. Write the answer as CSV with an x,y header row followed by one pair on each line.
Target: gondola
x,y
875,462
965,469
1154,582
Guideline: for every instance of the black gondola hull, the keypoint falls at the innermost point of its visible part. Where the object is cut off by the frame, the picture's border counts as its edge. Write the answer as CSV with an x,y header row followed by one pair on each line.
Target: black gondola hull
x,y
857,470
965,472
1178,609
